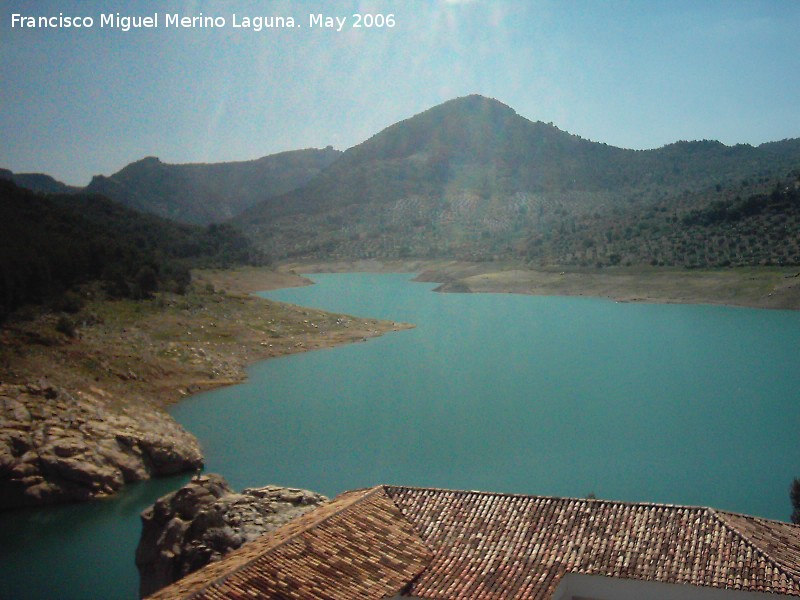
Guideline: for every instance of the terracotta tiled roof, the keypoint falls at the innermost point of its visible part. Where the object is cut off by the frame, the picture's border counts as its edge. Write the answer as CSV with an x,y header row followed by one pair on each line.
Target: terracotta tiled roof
x,y
357,547
508,546
476,545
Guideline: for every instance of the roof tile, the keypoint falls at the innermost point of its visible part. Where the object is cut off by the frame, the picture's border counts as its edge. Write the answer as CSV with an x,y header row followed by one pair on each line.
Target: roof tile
x,y
358,545
474,545
483,543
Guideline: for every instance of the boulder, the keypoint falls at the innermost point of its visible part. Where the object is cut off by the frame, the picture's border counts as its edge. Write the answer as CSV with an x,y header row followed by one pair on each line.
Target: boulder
x,y
204,520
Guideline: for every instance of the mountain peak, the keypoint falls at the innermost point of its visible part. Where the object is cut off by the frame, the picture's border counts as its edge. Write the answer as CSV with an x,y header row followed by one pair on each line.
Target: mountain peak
x,y
146,162
468,129
476,102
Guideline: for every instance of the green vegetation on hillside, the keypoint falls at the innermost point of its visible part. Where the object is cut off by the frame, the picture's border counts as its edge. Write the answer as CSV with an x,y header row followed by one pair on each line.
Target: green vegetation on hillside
x,y
746,224
472,180
50,244
210,193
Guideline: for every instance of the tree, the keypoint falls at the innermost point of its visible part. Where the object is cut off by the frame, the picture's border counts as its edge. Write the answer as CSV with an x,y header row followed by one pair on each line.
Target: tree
x,y
146,281
794,494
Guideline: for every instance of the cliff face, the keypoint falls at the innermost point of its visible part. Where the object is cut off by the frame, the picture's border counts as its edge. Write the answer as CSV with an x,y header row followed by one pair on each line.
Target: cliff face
x,y
204,520
59,447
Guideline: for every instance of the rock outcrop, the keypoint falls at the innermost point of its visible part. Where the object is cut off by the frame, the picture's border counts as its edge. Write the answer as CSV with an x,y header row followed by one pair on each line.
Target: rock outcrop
x,y
204,520
60,447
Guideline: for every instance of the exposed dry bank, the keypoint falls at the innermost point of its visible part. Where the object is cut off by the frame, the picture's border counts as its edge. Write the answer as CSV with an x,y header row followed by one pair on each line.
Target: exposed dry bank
x,y
757,287
82,413
754,287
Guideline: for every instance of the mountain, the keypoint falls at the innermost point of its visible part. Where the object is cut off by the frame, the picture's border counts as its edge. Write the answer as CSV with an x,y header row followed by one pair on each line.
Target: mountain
x,y
209,193
472,179
38,182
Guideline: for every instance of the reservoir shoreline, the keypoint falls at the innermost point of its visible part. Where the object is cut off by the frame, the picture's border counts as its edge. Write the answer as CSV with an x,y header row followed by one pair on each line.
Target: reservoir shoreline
x,y
83,412
751,287
152,355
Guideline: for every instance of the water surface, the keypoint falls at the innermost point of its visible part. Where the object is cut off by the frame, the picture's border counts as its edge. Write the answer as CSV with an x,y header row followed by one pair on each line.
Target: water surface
x,y
78,551
537,395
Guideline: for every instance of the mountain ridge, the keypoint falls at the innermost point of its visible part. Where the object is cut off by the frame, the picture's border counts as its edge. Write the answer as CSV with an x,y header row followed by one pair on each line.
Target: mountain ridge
x,y
38,182
204,193
472,179
193,193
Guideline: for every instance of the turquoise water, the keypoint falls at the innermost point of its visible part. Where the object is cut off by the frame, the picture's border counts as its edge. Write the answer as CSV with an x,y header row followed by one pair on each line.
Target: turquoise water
x,y
537,395
557,396
77,552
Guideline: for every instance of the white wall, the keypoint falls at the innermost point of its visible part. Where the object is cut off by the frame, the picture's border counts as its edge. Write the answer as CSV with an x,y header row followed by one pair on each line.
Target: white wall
x,y
574,586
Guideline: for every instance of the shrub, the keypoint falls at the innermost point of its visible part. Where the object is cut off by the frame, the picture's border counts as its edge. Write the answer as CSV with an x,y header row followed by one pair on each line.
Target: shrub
x,y
68,302
66,326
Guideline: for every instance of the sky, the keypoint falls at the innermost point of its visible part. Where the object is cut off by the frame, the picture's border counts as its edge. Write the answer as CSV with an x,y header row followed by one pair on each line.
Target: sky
x,y
78,102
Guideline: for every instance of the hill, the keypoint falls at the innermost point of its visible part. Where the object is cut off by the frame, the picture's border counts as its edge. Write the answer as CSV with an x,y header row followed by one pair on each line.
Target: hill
x,y
472,179
38,182
49,244
209,193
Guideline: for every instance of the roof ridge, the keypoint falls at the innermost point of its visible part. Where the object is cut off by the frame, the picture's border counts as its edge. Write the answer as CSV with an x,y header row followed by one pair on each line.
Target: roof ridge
x,y
722,511
729,521
718,514
544,497
368,492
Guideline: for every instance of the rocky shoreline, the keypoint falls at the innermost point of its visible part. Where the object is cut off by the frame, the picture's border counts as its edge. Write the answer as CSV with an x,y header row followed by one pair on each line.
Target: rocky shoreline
x,y
204,520
82,414
60,447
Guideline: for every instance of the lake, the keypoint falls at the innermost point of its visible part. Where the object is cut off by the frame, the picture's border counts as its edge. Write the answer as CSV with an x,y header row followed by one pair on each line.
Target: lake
x,y
536,395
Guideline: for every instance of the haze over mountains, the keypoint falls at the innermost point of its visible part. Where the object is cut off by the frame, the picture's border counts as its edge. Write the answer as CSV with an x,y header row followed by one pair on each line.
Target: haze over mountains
x,y
472,179
38,182
210,193
198,193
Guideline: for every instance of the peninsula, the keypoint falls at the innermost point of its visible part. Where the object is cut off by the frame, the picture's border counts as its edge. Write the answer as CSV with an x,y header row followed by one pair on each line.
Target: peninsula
x,y
83,412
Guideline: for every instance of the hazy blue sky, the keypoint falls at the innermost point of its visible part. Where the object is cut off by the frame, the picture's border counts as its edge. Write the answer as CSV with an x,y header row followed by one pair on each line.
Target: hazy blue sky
x,y
639,74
